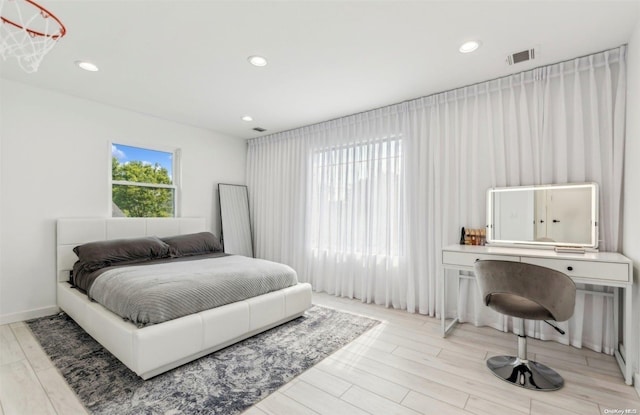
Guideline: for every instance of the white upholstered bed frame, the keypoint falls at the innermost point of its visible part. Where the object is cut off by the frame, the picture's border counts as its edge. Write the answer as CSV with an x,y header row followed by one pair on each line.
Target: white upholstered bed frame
x,y
155,349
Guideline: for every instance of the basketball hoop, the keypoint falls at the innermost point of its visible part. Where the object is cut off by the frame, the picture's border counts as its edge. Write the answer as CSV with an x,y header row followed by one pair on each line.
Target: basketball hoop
x,y
28,32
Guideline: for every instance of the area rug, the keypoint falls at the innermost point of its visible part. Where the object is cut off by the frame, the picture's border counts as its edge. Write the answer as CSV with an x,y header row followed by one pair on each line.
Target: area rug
x,y
225,382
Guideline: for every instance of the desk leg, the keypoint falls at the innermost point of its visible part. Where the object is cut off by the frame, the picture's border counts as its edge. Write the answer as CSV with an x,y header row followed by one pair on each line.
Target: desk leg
x,y
447,327
628,353
624,361
616,318
443,295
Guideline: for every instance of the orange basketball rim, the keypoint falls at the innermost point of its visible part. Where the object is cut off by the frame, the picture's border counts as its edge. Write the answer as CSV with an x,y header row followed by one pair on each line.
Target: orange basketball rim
x,y
28,32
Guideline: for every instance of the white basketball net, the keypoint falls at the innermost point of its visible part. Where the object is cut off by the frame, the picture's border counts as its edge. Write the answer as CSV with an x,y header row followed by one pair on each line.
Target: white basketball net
x,y
29,43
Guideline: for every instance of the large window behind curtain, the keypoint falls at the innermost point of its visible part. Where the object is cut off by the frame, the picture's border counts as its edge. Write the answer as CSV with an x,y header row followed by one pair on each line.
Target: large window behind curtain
x,y
355,209
356,200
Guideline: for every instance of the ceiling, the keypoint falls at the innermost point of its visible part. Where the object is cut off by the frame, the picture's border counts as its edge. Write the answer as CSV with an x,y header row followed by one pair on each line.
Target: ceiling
x,y
186,60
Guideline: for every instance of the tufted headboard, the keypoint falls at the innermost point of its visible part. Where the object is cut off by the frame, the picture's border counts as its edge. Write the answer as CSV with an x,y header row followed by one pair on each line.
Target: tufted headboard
x,y
76,231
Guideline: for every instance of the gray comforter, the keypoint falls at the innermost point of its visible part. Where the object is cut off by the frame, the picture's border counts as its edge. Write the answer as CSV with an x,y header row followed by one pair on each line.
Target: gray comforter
x,y
154,293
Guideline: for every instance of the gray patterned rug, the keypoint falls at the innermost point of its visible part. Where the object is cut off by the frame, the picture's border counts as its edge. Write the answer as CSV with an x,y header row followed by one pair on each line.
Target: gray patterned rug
x,y
225,382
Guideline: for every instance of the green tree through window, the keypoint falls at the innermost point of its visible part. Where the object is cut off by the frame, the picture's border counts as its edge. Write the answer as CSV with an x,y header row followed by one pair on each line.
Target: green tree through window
x,y
141,188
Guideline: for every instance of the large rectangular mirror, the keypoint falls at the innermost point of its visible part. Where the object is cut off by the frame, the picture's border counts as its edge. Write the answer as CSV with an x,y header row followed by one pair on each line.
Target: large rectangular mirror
x,y
234,215
552,215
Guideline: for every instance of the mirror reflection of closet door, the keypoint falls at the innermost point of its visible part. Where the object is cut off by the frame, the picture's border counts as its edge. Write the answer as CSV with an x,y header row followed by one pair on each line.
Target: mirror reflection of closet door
x,y
569,215
540,201
234,215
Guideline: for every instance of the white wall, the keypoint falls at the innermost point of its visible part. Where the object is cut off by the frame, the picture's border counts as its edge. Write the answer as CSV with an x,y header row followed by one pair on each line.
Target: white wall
x,y
55,163
631,214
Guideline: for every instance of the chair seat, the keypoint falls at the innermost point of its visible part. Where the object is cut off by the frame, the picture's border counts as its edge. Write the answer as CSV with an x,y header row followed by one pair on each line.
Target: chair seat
x,y
516,306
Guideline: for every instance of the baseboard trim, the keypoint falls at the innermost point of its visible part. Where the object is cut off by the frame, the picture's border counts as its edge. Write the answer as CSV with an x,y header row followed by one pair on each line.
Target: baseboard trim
x,y
636,382
29,314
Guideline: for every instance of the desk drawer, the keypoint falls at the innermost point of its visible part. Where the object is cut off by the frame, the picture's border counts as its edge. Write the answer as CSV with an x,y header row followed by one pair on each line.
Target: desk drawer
x,y
467,259
584,269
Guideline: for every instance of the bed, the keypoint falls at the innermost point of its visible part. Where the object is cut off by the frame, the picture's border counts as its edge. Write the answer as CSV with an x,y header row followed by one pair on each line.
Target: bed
x,y
153,349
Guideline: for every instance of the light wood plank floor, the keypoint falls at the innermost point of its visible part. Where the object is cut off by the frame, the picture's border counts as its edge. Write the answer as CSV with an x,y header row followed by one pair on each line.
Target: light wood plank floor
x,y
403,366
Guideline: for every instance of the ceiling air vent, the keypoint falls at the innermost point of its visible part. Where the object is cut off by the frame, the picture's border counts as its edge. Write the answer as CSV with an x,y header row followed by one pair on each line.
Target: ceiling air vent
x,y
259,129
525,55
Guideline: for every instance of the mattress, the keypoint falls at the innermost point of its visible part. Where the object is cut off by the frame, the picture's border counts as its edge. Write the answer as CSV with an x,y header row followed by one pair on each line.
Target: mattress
x,y
155,292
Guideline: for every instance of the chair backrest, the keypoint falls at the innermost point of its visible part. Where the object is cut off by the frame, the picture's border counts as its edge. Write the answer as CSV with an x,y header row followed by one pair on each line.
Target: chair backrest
x,y
549,288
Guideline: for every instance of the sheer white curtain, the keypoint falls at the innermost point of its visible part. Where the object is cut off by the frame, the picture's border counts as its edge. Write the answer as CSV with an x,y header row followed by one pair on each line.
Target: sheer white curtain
x,y
329,200
361,206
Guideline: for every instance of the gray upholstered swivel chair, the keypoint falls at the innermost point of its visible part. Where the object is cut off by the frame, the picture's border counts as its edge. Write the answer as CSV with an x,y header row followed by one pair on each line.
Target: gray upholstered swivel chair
x,y
528,292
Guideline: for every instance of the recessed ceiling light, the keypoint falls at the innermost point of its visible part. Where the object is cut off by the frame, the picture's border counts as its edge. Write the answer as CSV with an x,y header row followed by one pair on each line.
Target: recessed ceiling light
x,y
247,118
257,60
469,46
87,66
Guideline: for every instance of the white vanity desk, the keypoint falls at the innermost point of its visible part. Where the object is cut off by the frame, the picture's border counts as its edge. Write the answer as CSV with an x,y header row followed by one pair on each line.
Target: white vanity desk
x,y
596,268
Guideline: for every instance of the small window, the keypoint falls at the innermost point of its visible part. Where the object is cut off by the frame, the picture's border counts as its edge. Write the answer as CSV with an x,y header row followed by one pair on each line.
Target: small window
x,y
143,182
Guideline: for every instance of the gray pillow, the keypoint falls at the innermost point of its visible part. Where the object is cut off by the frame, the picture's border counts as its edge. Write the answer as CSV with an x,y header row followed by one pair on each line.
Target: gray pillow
x,y
100,254
193,244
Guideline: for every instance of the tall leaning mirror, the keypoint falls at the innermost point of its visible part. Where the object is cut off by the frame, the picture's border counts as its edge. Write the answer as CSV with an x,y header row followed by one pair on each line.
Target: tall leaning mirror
x,y
234,215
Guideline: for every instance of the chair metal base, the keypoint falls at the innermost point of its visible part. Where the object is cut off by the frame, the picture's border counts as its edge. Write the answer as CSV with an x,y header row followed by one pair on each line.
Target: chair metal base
x,y
525,373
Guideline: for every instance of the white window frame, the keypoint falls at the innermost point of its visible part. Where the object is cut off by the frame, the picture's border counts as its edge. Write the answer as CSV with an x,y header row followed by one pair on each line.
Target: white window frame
x,y
176,171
